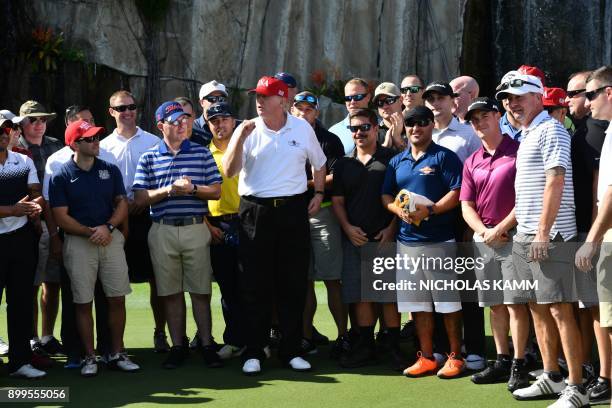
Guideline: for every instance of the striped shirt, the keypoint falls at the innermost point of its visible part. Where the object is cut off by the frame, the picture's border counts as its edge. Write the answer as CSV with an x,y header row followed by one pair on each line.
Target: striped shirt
x,y
458,138
545,145
16,174
158,168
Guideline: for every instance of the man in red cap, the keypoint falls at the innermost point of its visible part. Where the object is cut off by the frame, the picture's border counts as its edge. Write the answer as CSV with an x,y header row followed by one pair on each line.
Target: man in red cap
x,y
270,153
554,102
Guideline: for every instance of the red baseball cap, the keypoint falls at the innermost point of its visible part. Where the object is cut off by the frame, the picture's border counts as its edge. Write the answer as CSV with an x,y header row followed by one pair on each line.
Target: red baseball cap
x,y
270,86
80,129
554,97
535,71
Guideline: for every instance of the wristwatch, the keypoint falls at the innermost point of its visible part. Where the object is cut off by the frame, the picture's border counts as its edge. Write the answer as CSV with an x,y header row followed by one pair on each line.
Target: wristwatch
x,y
430,210
195,190
110,227
320,192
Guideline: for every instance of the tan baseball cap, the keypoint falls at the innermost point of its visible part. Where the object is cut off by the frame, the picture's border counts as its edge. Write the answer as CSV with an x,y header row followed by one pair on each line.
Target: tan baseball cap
x,y
35,109
386,88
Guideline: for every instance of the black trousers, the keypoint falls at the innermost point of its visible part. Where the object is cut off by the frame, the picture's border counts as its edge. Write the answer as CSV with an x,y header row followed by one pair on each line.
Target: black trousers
x,y
274,256
19,257
224,260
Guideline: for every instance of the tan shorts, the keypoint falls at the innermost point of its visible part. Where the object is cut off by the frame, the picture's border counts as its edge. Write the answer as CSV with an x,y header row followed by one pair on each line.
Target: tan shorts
x,y
86,263
604,281
181,258
48,269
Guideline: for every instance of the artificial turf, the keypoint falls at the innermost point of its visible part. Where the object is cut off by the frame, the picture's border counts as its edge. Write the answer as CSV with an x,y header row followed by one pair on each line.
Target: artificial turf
x,y
193,384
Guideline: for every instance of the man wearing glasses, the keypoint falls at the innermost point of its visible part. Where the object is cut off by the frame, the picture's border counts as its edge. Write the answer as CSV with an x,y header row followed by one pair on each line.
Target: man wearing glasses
x,y
211,92
356,97
387,98
412,88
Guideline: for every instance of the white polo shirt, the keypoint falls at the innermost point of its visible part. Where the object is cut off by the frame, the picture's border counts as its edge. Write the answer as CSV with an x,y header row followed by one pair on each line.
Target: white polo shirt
x,y
127,152
457,137
17,171
605,165
273,163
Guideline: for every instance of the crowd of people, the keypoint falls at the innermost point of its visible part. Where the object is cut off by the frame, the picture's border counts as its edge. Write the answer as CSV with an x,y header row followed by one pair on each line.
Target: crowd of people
x,y
267,206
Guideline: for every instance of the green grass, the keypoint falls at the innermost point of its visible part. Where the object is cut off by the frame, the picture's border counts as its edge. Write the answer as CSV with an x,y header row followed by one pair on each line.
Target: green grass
x,y
194,384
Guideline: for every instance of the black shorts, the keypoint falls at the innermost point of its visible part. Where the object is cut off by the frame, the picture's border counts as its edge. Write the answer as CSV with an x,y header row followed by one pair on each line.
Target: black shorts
x,y
140,268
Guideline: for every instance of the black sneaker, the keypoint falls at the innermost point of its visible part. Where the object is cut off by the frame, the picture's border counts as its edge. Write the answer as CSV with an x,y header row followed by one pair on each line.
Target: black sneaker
x,y
38,349
211,358
340,347
319,339
362,355
308,346
599,390
496,371
275,337
408,331
397,360
588,374
160,342
382,343
53,347
518,377
176,357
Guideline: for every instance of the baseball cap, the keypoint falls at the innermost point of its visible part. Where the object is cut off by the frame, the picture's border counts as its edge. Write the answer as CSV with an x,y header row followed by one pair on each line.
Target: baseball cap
x,y
8,115
169,111
443,88
483,104
535,71
218,109
518,84
270,86
35,109
80,129
554,97
418,113
307,97
211,87
387,88
286,78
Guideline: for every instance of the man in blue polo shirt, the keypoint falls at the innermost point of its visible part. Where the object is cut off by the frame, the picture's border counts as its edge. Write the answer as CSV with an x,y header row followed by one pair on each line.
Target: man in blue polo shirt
x,y
88,201
176,179
434,172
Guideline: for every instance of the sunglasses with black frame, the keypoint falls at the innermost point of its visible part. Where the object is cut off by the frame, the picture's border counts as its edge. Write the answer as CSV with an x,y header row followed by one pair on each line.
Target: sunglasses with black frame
x,y
412,89
590,95
95,138
123,108
363,127
417,122
356,97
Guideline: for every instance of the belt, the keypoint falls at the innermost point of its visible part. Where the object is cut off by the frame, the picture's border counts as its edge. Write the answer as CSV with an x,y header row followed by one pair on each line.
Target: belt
x,y
223,217
181,222
274,201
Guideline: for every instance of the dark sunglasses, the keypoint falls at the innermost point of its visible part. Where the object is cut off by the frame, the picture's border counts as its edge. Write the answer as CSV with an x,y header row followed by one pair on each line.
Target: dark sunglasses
x,y
390,100
419,122
593,94
123,108
306,98
575,92
356,98
215,99
515,83
34,119
177,122
364,128
92,139
411,89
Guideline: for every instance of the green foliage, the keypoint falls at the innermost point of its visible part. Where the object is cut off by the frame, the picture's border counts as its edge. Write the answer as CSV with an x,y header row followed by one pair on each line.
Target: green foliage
x,y
47,49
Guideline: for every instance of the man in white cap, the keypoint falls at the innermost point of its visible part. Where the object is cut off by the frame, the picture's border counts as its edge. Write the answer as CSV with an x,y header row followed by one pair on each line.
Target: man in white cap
x,y
211,92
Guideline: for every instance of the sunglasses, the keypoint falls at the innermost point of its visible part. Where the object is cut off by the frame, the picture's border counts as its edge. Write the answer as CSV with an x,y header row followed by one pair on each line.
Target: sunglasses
x,y
593,94
412,89
179,121
306,98
515,83
386,101
355,98
215,99
419,122
575,92
92,139
364,128
40,119
123,108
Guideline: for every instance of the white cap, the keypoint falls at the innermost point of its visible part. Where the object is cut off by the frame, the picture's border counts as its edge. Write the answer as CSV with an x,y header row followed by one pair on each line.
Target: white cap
x,y
530,83
211,87
7,114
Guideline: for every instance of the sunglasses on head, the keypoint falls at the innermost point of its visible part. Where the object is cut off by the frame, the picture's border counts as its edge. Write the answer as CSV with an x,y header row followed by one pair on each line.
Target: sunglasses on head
x,y
123,108
412,89
515,83
215,99
306,98
390,100
575,92
95,138
216,109
590,95
355,128
417,122
355,98
179,121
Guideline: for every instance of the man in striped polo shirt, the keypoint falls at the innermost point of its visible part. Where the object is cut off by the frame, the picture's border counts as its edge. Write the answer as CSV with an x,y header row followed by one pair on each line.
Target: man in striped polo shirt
x,y
544,208
176,179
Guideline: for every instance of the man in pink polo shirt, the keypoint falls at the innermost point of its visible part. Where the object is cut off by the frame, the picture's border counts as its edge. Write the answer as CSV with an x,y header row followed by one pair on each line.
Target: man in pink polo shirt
x,y
487,202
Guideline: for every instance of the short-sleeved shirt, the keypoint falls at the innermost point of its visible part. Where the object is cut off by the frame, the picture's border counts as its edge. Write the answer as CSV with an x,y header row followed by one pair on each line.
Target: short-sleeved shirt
x,y
605,166
360,185
545,145
17,172
40,154
433,175
507,129
88,194
273,162
159,168
488,181
457,137
333,151
230,200
346,137
127,152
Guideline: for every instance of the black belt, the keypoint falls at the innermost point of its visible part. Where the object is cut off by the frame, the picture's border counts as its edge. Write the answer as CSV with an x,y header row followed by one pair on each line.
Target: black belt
x,y
181,222
224,217
274,201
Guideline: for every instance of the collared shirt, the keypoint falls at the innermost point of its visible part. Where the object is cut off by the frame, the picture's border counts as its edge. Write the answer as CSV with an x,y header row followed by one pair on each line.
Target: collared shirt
x,y
434,174
360,186
59,158
507,129
40,154
333,150
545,145
200,133
488,181
230,200
17,172
273,162
89,194
159,168
458,138
127,152
605,166
346,137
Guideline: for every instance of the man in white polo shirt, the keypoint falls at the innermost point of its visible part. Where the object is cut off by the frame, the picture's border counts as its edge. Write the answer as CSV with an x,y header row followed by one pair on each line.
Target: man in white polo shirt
x,y
270,153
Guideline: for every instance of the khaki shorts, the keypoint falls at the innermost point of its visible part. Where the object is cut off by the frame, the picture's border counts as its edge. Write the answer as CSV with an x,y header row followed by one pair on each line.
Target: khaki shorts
x,y
326,244
48,269
181,258
86,263
604,281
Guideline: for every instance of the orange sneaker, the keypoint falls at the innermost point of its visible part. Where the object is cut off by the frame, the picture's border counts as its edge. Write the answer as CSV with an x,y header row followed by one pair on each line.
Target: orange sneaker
x,y
423,366
452,368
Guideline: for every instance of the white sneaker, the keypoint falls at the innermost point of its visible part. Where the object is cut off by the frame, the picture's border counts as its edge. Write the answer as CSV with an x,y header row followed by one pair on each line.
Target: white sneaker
x,y
268,352
299,364
122,362
542,387
27,371
90,367
3,347
475,362
228,351
571,397
440,359
251,367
